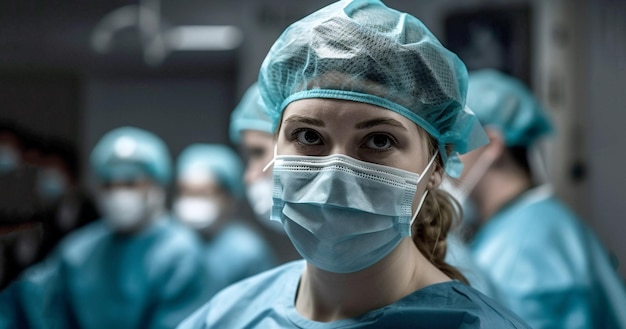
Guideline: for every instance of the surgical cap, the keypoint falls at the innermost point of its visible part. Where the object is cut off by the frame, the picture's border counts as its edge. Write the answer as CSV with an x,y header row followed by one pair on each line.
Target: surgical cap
x,y
249,115
199,161
363,51
129,153
505,103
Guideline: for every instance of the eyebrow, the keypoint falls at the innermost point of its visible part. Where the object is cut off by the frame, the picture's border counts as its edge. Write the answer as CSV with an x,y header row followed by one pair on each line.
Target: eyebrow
x,y
378,122
307,120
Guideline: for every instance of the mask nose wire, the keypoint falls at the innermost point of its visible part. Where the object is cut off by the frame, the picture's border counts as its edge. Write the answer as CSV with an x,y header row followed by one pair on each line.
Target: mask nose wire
x,y
269,164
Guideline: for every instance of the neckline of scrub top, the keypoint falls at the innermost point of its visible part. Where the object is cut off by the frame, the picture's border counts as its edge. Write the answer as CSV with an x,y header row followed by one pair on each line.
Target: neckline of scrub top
x,y
160,222
529,195
369,317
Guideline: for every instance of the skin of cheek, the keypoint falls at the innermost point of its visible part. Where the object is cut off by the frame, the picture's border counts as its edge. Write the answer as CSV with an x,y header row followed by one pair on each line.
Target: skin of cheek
x,y
256,140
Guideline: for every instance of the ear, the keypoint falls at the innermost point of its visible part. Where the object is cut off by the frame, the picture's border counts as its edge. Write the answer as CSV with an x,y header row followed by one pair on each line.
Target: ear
x,y
436,178
497,144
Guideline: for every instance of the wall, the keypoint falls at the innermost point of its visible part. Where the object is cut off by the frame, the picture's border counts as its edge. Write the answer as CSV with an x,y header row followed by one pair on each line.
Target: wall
x,y
604,120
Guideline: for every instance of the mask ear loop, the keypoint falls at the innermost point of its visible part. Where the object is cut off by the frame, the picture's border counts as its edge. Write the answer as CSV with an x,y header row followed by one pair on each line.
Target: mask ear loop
x,y
269,164
426,172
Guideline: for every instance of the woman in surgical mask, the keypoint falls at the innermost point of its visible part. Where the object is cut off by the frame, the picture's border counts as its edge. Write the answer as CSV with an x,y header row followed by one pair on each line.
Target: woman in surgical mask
x,y
369,112
251,129
209,190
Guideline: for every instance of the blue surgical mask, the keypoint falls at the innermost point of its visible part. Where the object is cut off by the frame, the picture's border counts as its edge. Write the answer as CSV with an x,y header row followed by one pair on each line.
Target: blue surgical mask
x,y
343,215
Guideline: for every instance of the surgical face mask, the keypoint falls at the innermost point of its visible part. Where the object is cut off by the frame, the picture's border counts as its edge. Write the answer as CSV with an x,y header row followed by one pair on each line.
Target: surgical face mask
x,y
260,197
197,212
51,184
125,209
343,215
9,159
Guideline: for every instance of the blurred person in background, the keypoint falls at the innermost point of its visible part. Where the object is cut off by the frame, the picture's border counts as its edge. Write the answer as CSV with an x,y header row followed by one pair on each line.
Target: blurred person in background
x,y
251,129
67,206
134,268
547,266
17,174
20,213
209,192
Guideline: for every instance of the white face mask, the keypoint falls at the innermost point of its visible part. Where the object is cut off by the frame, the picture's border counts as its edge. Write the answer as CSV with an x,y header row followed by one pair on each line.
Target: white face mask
x,y
125,209
259,195
197,212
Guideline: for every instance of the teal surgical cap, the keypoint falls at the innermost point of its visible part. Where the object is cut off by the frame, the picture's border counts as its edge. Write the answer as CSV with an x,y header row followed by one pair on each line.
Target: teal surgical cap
x,y
199,161
363,51
129,153
505,103
249,115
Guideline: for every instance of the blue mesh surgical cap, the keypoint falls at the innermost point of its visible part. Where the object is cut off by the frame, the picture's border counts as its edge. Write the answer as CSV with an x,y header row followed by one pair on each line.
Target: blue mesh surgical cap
x,y
363,51
129,153
249,115
505,103
198,161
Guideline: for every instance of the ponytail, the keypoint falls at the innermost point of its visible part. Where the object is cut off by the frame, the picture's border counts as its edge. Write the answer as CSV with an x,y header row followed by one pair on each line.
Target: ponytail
x,y
437,216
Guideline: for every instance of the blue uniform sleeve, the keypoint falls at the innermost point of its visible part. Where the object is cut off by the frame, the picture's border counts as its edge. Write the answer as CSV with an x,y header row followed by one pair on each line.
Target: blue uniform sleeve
x,y
35,299
183,284
541,270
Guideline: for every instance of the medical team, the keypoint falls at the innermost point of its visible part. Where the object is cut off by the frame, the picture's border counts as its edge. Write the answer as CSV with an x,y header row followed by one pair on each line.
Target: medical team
x,y
402,181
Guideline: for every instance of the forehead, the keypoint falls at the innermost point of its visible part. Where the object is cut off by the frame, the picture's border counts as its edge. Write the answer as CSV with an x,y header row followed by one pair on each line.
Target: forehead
x,y
255,137
343,110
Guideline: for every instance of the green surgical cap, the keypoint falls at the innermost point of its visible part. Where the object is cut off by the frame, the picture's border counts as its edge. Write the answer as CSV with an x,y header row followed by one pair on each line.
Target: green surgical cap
x,y
212,160
130,153
505,103
363,51
249,115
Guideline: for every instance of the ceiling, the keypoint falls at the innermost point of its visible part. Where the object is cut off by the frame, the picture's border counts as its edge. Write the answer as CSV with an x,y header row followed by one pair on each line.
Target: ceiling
x,y
37,34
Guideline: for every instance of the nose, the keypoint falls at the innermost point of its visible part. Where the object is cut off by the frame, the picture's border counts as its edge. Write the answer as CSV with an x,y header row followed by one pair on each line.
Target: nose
x,y
342,148
252,174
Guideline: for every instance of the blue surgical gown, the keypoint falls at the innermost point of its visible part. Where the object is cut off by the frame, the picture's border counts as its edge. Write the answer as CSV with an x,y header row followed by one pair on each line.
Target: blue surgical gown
x,y
459,256
98,279
29,302
267,301
235,253
548,267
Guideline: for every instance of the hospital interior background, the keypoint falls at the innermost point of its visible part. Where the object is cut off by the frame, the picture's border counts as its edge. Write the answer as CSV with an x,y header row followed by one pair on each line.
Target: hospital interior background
x,y
76,69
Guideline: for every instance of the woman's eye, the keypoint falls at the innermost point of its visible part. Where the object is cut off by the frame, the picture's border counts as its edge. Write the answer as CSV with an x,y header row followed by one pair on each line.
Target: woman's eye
x,y
308,137
379,142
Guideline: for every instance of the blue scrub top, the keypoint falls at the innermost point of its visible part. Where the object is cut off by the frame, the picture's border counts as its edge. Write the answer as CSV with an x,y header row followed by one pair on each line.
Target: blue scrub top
x,y
30,301
99,279
548,267
267,300
235,253
459,256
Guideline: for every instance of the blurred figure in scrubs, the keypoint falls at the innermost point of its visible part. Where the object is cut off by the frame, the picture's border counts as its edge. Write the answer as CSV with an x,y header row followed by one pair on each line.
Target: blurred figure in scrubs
x,y
209,192
368,111
134,268
67,206
20,225
251,129
547,265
